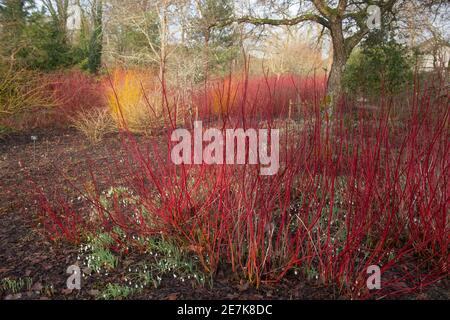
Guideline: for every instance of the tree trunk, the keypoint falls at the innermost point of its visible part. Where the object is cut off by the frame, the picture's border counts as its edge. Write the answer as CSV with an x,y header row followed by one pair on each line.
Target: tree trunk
x,y
335,86
340,56
206,54
96,41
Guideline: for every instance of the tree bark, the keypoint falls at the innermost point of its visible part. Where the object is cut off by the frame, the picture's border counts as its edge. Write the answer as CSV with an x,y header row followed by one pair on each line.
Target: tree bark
x,y
335,87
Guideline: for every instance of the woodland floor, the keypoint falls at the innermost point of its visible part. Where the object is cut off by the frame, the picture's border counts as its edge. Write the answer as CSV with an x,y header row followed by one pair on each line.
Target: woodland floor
x,y
26,253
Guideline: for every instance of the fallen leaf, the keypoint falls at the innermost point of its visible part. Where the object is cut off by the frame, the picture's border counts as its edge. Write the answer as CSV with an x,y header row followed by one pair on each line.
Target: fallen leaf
x,y
94,293
4,270
243,286
172,297
47,267
37,287
66,291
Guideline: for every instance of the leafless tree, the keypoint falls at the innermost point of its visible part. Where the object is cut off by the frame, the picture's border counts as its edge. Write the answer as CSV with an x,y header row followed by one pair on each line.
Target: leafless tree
x,y
153,20
292,50
344,20
58,10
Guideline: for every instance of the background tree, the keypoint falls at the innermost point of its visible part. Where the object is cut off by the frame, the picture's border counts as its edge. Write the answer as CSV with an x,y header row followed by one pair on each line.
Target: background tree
x,y
34,38
96,40
58,10
220,46
59,47
378,67
133,33
13,22
289,50
344,20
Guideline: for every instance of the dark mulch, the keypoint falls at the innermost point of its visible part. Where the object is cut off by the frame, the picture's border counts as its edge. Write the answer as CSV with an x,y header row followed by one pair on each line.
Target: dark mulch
x,y
26,253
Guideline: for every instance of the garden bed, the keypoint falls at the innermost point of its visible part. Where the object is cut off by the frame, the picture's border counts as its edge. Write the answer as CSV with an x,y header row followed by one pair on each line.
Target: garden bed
x,y
33,267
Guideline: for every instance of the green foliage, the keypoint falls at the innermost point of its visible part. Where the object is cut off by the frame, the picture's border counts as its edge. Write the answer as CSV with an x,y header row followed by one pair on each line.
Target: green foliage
x,y
172,260
378,66
134,41
48,48
164,258
34,41
220,45
116,292
96,41
16,285
167,257
13,22
99,256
